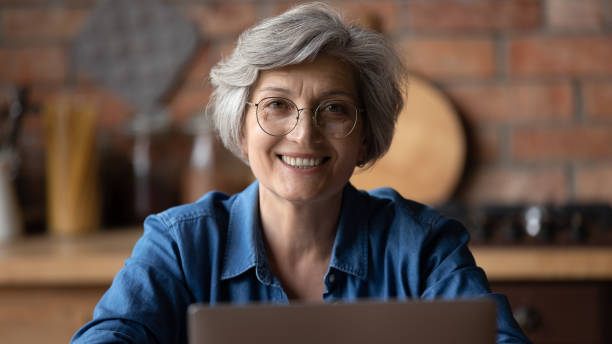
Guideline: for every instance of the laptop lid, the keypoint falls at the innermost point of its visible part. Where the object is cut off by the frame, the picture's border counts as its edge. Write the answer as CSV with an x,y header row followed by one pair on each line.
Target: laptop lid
x,y
465,321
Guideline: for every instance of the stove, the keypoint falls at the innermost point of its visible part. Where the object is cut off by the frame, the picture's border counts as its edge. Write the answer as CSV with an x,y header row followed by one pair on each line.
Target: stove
x,y
536,224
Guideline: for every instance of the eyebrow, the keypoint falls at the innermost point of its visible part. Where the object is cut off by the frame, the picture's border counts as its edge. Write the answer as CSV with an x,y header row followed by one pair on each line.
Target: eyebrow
x,y
322,95
275,89
336,92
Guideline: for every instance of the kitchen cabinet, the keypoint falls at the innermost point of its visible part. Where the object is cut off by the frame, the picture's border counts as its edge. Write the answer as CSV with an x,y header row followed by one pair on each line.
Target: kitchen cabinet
x,y
45,314
559,294
49,286
561,312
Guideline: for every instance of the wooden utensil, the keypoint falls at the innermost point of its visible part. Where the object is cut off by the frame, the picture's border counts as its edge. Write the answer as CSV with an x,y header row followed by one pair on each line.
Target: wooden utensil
x,y
73,195
427,156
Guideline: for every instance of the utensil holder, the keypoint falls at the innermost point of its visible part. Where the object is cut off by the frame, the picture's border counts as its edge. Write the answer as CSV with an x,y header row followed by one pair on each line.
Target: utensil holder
x,y
73,191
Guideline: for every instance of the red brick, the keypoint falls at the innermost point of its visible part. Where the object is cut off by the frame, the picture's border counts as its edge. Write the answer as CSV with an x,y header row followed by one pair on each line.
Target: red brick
x,y
27,23
188,101
517,185
219,18
487,144
593,183
597,98
21,2
561,56
279,7
447,58
380,15
112,112
7,93
31,64
607,13
563,143
475,15
514,102
225,49
197,71
574,14
210,58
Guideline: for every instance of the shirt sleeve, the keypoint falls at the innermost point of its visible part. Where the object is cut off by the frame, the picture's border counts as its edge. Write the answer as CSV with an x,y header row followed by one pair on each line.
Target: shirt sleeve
x,y
450,272
148,299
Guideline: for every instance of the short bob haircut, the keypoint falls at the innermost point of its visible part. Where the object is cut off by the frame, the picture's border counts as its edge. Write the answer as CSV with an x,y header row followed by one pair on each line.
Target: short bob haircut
x,y
300,35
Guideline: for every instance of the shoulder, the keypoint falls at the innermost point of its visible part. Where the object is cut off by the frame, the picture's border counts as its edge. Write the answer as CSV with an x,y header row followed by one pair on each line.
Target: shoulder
x,y
386,202
213,205
199,224
410,222
434,246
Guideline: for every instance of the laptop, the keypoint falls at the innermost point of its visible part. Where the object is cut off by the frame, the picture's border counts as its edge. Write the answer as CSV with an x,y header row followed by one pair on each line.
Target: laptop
x,y
434,322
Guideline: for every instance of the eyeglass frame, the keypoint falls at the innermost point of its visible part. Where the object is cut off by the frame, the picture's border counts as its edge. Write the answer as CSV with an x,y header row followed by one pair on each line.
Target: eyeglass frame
x,y
314,115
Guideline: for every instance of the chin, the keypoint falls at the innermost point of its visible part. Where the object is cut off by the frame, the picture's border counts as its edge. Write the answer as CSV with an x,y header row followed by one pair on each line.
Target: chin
x,y
311,194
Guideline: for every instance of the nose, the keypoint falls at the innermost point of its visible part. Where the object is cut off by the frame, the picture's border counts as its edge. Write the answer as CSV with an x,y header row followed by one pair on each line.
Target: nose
x,y
306,128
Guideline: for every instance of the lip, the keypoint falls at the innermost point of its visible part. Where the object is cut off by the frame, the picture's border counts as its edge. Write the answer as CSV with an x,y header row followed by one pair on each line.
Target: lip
x,y
303,156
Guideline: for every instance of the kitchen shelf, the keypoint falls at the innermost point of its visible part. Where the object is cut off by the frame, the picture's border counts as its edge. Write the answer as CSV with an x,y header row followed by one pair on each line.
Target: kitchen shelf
x,y
94,259
545,263
87,259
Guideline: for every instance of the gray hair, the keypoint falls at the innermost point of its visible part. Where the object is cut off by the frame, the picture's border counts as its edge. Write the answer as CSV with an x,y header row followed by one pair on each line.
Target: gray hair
x,y
300,35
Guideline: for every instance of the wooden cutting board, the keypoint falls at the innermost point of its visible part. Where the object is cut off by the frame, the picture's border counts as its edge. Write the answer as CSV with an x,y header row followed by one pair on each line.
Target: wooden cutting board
x,y
427,156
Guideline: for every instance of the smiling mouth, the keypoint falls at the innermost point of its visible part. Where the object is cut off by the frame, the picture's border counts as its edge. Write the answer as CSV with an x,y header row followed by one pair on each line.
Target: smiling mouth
x,y
303,162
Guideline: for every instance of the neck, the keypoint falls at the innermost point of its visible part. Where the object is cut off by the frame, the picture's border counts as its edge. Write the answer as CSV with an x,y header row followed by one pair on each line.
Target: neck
x,y
295,231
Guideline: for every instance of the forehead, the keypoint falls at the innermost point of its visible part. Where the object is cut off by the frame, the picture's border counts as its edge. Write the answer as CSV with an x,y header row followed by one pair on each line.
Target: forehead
x,y
324,75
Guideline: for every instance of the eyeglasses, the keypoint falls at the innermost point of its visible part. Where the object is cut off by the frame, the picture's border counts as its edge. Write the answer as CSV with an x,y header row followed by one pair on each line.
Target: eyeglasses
x,y
278,116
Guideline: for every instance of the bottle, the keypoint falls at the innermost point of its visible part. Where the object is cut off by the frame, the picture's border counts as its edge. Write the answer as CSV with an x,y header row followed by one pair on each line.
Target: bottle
x,y
10,216
211,166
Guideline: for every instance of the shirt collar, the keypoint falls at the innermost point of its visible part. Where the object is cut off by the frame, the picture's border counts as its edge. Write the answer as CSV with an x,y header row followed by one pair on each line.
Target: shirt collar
x,y
244,246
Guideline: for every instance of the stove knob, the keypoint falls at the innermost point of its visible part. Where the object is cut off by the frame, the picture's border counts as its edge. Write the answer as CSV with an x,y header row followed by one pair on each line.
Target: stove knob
x,y
529,318
535,219
577,228
512,231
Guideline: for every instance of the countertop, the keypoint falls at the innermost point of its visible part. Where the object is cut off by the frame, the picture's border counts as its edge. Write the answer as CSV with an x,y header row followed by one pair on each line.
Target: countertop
x,y
93,259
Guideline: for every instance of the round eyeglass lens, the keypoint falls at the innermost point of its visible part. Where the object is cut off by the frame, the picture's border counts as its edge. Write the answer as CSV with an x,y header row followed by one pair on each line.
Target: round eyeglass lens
x,y
277,116
336,118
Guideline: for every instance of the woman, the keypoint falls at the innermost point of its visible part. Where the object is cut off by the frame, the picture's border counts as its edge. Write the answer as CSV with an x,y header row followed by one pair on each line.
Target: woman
x,y
303,99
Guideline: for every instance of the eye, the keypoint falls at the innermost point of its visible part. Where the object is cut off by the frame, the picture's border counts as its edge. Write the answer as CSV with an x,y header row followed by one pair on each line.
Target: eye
x,y
277,104
337,108
334,107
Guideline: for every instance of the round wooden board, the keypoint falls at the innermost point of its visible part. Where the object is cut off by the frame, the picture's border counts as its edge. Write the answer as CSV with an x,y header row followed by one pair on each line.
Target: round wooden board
x,y
427,156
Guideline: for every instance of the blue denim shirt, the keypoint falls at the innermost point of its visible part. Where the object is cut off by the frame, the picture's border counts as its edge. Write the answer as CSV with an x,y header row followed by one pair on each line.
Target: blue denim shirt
x,y
212,251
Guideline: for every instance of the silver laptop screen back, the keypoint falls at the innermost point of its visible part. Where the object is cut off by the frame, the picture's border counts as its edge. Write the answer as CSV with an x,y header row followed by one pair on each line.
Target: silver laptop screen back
x,y
363,322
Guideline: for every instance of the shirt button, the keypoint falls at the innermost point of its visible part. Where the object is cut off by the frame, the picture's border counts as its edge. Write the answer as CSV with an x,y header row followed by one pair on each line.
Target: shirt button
x,y
331,278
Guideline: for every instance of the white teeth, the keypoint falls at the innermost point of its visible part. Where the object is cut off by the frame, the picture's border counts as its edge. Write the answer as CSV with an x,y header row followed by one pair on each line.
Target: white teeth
x,y
301,162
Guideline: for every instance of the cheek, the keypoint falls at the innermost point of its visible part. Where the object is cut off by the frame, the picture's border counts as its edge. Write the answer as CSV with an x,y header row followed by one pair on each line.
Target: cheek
x,y
257,146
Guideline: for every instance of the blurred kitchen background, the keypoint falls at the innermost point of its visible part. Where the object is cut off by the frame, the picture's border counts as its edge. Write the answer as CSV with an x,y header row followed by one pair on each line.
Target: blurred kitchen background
x,y
101,123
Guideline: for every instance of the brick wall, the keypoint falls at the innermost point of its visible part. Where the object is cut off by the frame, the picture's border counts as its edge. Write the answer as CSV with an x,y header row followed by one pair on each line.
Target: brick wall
x,y
532,80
